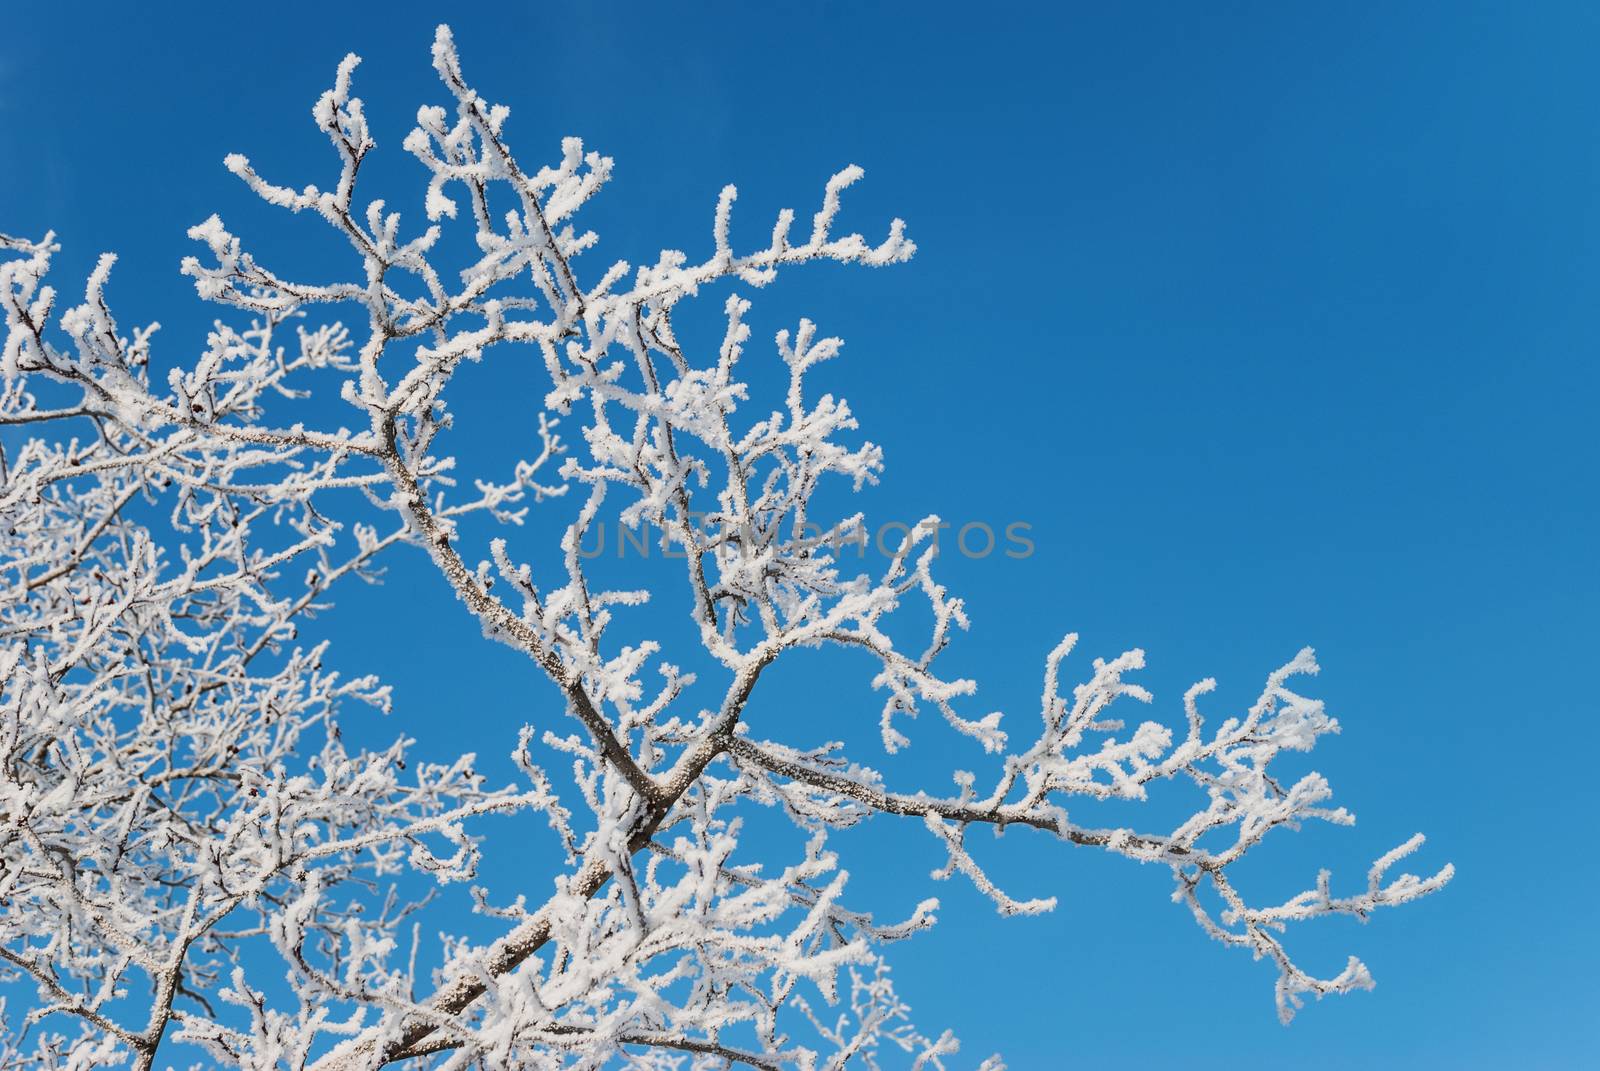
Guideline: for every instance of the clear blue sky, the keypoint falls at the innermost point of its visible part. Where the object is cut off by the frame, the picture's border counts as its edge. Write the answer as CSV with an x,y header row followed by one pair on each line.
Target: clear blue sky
x,y
1277,322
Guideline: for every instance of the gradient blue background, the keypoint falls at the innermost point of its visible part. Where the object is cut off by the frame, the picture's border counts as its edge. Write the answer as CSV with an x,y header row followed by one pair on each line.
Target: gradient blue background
x,y
1277,322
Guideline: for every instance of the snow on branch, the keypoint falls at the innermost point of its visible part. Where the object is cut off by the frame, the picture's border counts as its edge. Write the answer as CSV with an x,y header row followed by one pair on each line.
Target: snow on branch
x,y
182,825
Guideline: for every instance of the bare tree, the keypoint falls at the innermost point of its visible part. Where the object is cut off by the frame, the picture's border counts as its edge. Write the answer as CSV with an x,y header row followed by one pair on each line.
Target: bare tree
x,y
182,821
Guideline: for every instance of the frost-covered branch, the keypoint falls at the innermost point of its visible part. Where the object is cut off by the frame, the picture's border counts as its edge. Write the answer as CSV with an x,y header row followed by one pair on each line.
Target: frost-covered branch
x,y
183,828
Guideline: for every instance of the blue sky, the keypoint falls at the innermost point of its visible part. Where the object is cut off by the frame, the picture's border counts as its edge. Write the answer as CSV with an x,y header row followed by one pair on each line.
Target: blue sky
x,y
1276,323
